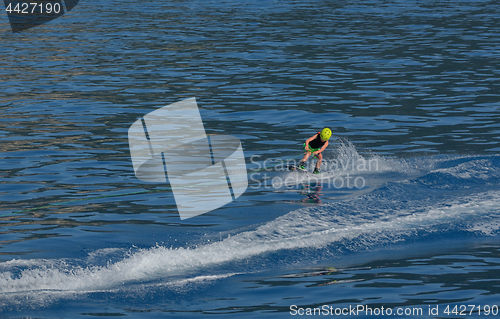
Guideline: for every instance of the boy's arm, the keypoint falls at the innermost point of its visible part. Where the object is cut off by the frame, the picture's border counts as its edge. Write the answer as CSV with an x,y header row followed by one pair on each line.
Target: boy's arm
x,y
322,149
309,140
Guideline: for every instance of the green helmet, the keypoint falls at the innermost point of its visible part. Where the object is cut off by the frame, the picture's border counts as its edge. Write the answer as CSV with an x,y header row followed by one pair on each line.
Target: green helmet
x,y
325,134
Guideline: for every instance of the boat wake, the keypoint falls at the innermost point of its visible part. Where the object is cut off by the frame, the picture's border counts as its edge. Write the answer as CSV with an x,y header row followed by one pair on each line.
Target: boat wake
x,y
454,196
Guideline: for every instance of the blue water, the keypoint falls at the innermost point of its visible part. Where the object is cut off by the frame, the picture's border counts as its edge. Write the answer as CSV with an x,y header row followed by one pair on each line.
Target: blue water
x,y
403,216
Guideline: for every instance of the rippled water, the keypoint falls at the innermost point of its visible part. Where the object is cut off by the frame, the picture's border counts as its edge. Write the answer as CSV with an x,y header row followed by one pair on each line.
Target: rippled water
x,y
409,85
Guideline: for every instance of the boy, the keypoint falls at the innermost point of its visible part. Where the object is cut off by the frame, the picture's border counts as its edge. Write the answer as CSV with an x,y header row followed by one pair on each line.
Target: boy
x,y
315,145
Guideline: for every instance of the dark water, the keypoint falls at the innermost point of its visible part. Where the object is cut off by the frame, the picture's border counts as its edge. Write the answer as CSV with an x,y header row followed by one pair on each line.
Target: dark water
x,y
410,85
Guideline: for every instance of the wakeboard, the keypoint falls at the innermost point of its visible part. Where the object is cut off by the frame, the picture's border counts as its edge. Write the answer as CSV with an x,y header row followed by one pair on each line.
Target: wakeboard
x,y
298,169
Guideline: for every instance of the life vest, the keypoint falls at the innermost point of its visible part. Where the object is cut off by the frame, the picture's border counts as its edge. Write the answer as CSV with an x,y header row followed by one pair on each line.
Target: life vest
x,y
317,142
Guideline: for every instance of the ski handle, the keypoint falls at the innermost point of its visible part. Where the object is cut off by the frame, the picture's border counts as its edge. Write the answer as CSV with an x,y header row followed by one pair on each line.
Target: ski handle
x,y
310,151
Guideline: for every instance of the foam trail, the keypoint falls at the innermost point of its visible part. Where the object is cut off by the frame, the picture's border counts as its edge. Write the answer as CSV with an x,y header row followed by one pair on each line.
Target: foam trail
x,y
460,195
350,174
310,227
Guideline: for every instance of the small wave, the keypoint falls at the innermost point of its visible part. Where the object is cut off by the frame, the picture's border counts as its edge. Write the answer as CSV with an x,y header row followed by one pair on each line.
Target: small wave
x,y
391,214
311,227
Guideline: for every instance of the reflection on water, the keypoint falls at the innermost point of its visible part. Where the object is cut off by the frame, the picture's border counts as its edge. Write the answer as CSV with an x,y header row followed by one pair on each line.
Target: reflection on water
x,y
312,193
